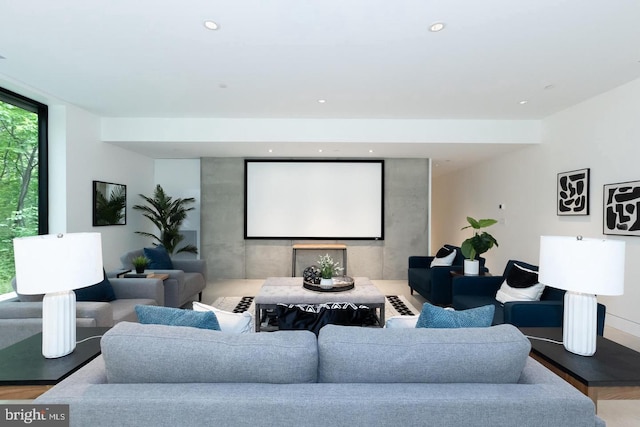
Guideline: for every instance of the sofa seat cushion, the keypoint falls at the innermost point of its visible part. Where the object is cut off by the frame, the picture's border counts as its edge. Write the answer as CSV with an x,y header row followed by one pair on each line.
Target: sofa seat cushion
x,y
496,354
135,353
421,278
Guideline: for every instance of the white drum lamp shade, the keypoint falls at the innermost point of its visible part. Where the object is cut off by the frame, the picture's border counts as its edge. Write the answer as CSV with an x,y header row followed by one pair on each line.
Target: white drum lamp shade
x,y
55,265
584,268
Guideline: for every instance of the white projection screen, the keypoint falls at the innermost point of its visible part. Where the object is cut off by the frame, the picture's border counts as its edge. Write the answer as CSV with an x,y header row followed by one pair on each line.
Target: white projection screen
x,y
314,199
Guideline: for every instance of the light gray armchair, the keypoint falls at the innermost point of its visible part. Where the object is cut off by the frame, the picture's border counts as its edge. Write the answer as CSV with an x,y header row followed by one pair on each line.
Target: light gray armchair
x,y
186,281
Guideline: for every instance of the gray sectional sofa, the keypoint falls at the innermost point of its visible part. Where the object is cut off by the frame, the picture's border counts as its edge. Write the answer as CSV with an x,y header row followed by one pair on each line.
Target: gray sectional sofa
x,y
22,317
186,281
154,375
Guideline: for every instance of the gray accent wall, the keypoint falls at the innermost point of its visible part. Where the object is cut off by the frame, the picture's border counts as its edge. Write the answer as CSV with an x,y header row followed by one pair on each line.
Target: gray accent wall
x,y
230,256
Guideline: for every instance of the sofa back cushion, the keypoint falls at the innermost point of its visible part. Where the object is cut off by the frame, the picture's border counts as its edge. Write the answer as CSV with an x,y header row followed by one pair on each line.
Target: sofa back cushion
x,y
135,353
127,258
475,355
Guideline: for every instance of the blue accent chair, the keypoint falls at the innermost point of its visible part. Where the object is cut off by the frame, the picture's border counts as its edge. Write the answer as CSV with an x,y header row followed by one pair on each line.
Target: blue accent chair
x,y
434,284
476,291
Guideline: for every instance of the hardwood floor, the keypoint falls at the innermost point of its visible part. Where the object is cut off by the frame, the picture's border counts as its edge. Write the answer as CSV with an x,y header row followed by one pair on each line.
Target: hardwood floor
x,y
616,413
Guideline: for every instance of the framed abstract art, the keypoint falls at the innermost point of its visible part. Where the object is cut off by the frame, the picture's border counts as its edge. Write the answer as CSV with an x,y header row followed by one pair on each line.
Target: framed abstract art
x,y
621,209
573,193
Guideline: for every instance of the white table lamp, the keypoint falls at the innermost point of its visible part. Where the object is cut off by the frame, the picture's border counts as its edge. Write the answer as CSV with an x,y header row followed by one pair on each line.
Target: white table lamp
x,y
584,268
55,265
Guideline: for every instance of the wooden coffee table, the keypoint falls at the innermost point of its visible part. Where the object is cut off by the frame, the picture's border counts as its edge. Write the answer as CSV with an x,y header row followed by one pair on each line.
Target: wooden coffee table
x,y
25,373
289,290
613,372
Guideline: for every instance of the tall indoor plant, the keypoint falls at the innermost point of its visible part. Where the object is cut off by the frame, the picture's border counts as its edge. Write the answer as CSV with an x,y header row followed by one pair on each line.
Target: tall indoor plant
x,y
477,244
167,214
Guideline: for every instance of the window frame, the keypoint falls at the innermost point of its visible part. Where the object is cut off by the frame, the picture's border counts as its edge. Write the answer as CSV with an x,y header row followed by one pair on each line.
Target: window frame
x,y
42,111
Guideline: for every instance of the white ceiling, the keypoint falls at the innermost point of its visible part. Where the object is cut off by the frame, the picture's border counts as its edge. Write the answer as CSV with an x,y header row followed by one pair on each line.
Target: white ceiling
x,y
369,59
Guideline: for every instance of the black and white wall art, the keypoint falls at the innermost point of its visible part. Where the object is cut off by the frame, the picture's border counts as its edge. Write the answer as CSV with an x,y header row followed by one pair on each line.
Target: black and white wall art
x,y
621,209
573,192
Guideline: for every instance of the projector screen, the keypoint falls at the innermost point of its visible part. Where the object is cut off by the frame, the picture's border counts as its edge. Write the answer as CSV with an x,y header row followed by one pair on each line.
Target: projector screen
x,y
314,199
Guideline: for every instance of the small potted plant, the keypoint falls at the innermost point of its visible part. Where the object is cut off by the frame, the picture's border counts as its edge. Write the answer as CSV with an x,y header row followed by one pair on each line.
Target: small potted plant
x,y
477,244
140,263
328,269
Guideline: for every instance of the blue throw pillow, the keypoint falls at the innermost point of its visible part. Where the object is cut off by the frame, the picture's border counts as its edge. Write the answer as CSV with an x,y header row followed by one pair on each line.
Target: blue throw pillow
x,y
437,317
151,314
158,258
101,292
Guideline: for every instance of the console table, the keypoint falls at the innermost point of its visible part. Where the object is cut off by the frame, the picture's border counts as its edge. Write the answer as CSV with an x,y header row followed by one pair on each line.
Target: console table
x,y
613,372
318,247
25,373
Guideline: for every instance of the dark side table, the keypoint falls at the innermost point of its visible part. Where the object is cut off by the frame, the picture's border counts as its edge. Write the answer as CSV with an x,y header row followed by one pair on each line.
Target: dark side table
x,y
460,273
25,373
613,372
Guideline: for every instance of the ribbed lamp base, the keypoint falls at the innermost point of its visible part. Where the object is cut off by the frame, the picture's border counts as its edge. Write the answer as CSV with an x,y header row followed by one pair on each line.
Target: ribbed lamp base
x,y
580,320
58,324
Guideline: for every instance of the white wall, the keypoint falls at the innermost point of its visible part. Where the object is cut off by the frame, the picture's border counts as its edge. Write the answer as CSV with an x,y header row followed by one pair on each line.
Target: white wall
x,y
77,157
601,134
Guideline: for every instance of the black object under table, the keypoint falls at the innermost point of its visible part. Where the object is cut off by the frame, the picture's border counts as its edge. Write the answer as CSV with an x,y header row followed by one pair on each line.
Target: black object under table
x,y
613,372
25,373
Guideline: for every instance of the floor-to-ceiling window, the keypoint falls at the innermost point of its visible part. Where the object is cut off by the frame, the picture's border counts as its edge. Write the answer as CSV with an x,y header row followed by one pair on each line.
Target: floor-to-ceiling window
x,y
23,176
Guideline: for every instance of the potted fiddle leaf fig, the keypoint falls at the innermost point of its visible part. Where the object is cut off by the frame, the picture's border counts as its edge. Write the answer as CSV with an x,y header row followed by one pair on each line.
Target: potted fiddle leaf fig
x,y
477,244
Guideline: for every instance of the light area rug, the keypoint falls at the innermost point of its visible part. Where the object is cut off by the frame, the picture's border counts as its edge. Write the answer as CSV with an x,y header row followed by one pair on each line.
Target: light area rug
x,y
396,305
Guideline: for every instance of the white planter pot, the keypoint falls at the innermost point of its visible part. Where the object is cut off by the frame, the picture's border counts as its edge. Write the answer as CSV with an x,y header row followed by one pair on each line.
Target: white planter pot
x,y
471,267
326,283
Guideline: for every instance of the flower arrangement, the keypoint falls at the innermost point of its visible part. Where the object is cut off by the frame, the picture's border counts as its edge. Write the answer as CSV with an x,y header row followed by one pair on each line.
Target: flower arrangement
x,y
328,267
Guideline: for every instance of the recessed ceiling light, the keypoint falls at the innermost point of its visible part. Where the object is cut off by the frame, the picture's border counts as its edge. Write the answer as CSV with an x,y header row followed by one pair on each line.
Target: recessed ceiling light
x,y
436,26
320,150
322,101
211,25
371,151
270,150
524,101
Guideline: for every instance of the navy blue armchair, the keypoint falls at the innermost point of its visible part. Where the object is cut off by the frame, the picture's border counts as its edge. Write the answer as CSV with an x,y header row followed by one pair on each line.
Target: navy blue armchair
x,y
476,291
434,283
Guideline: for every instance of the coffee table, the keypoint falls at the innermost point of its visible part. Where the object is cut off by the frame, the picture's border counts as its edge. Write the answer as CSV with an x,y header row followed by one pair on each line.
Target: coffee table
x,y
25,373
613,372
289,290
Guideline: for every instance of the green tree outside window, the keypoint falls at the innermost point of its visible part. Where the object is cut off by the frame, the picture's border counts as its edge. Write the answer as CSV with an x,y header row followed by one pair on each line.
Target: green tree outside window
x,y
19,157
